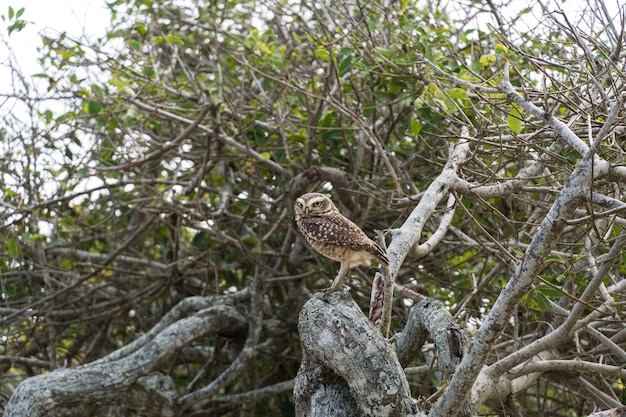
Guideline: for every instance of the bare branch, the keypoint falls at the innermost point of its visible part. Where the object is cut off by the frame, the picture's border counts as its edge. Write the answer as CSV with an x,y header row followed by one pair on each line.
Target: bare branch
x,y
108,380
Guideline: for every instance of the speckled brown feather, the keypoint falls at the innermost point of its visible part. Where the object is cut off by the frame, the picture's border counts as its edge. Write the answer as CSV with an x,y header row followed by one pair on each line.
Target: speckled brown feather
x,y
335,236
330,232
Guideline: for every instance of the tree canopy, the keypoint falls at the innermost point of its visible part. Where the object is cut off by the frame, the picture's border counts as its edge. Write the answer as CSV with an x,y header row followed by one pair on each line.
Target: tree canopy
x,y
150,264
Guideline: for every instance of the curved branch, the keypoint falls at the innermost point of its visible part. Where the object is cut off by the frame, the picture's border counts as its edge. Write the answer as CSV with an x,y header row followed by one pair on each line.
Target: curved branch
x,y
101,258
425,248
168,146
429,317
405,238
185,307
13,360
508,186
561,128
271,165
410,232
614,412
250,396
572,366
116,381
490,390
195,400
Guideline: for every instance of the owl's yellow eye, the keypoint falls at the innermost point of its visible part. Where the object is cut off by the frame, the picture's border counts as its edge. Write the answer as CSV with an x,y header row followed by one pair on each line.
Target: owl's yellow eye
x,y
317,204
299,204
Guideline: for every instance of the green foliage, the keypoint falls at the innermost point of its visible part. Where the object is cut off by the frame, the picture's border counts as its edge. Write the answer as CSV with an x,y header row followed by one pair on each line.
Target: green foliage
x,y
104,214
13,18
515,119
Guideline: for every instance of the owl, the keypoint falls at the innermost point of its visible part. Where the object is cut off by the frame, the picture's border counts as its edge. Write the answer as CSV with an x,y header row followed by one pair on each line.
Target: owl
x,y
335,236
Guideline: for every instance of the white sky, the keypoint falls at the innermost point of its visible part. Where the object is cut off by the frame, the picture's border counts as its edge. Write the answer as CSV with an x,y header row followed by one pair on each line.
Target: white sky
x,y
81,19
48,16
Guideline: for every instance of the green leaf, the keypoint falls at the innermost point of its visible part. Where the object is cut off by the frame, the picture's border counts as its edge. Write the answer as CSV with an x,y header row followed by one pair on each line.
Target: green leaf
x,y
515,119
17,26
67,116
552,258
517,251
476,66
250,239
416,127
403,5
345,51
327,121
11,13
14,248
48,116
175,40
200,240
458,93
549,291
345,66
67,264
486,59
93,107
382,95
134,45
501,49
388,53
543,303
141,29
322,53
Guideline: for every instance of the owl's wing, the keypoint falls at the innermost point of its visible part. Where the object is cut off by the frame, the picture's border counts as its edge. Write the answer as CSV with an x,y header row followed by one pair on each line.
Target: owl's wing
x,y
379,253
341,231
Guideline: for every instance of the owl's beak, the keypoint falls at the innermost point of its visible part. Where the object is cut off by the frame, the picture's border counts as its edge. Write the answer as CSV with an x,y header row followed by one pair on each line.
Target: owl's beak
x,y
306,211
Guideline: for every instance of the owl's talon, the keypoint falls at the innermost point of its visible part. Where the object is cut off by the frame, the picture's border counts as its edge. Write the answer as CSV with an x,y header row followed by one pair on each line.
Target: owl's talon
x,y
331,290
328,291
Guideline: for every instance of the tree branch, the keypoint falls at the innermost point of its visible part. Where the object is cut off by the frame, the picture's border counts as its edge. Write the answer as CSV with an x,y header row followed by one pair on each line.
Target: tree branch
x,y
407,237
110,381
518,285
196,400
271,165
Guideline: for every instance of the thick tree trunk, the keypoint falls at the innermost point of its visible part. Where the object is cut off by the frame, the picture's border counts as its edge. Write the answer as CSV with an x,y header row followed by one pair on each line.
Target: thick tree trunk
x,y
348,368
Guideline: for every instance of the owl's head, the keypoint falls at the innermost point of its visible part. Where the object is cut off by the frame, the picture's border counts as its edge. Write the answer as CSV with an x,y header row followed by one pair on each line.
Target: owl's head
x,y
313,204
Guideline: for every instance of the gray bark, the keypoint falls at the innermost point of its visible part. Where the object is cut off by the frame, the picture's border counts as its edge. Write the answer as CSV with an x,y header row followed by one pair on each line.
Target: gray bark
x,y
348,368
131,380
430,318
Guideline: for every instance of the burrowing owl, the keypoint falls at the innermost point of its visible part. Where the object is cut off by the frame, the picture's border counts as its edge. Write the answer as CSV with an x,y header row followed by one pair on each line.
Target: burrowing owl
x,y
335,236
